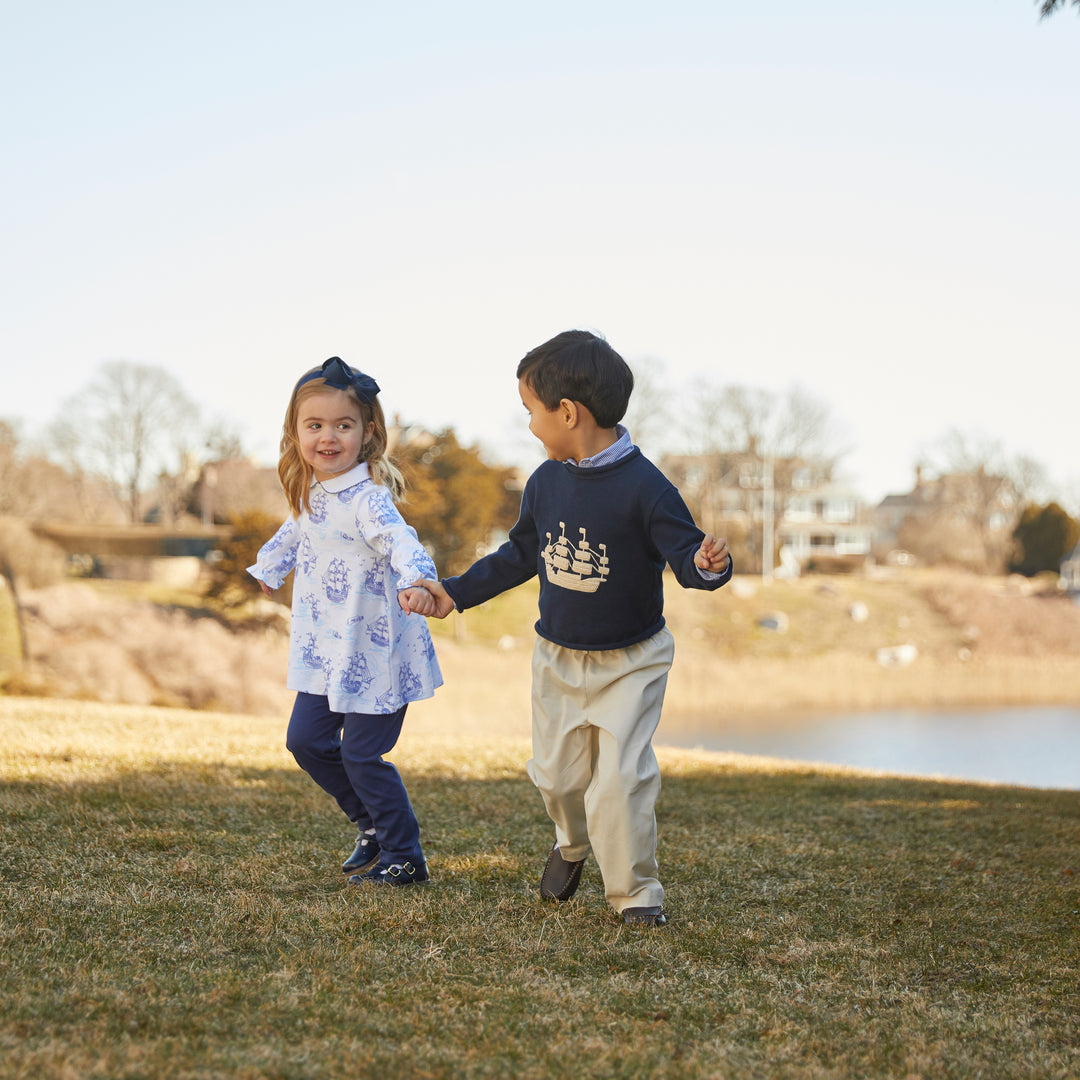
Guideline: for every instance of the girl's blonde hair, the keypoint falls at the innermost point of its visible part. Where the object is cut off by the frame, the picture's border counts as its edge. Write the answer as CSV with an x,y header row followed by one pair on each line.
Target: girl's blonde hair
x,y
295,473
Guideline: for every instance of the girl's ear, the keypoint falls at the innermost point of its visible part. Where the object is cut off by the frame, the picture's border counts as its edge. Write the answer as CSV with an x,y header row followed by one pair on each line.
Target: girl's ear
x,y
368,432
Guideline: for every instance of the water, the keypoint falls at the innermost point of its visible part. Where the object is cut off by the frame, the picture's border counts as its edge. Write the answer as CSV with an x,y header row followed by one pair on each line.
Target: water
x,y
1030,746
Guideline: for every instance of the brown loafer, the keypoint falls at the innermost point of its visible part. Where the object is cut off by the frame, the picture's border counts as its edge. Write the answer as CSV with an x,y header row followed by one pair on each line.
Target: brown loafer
x,y
560,878
644,916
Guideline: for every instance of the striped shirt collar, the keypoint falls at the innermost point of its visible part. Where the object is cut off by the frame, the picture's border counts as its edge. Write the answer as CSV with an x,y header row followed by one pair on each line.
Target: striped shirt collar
x,y
610,454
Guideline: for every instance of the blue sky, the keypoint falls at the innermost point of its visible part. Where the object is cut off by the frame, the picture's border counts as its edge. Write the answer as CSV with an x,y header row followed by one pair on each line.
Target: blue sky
x,y
882,206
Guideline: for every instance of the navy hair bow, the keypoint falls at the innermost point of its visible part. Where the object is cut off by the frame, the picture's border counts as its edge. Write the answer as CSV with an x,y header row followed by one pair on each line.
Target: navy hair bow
x,y
340,376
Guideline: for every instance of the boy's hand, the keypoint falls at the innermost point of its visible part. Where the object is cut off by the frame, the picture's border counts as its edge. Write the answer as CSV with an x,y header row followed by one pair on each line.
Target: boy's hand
x,y
416,599
443,604
713,555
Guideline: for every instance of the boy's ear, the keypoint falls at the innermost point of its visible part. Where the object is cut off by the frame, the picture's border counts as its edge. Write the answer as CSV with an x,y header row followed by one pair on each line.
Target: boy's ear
x,y
569,412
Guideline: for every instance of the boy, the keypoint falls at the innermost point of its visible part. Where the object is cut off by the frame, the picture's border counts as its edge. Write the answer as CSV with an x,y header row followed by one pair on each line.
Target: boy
x,y
598,522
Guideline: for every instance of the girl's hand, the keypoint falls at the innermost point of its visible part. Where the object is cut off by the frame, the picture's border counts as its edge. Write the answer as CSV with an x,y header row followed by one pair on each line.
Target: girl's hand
x,y
266,588
416,599
713,555
443,604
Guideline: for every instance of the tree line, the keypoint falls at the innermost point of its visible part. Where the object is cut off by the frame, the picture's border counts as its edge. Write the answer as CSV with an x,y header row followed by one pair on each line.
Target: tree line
x,y
133,446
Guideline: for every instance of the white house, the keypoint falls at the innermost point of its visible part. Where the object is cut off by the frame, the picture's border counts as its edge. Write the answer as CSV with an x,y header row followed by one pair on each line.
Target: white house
x,y
1070,571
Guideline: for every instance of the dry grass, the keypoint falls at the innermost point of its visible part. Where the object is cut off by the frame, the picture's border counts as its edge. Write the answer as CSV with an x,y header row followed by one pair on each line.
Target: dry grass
x,y
120,645
170,906
10,640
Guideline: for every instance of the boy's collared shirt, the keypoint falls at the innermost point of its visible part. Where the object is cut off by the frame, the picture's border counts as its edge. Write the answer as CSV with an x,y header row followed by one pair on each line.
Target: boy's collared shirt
x,y
622,446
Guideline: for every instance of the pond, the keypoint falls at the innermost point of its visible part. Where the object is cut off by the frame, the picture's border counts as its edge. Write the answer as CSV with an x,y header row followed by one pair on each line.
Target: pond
x,y
1030,746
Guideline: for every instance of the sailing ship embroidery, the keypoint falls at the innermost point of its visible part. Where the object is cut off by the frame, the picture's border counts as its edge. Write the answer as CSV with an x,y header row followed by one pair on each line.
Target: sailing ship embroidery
x,y
578,567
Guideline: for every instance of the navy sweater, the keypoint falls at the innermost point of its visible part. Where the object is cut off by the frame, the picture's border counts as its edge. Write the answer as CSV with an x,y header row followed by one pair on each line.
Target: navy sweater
x,y
599,539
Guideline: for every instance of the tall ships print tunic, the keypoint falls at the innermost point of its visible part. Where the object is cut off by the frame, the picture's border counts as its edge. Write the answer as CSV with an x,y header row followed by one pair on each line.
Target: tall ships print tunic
x,y
350,641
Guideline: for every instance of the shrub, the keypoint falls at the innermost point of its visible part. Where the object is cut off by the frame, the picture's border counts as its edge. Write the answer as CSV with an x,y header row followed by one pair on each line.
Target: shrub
x,y
230,583
28,561
1042,538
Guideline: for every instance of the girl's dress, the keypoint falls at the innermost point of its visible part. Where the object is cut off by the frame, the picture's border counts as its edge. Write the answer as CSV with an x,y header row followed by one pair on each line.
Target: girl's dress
x,y
350,641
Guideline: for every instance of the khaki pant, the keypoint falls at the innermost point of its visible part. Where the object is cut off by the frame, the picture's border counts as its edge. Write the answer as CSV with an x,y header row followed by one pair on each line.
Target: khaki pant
x,y
594,715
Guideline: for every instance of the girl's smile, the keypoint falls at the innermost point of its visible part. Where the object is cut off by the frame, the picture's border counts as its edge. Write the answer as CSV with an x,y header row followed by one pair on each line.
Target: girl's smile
x,y
331,432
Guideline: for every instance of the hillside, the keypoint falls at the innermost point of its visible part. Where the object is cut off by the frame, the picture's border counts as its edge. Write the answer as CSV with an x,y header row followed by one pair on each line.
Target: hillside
x,y
975,641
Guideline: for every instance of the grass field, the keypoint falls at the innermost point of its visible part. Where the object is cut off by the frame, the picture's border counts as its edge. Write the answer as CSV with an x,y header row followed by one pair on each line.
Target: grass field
x,y
171,906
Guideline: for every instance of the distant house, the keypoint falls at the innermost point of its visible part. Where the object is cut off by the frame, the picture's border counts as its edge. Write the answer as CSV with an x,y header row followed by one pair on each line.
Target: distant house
x,y
955,517
237,486
791,508
135,552
823,522
1070,571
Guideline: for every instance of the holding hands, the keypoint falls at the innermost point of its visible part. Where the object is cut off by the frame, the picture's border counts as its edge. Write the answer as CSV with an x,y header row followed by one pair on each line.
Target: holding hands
x,y
442,605
713,554
425,597
416,600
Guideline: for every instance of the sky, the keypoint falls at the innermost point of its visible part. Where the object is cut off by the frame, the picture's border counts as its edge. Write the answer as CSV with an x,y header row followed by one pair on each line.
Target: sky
x,y
881,207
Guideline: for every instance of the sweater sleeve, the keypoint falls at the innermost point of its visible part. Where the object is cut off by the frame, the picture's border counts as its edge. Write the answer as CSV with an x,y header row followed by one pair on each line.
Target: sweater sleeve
x,y
512,564
677,538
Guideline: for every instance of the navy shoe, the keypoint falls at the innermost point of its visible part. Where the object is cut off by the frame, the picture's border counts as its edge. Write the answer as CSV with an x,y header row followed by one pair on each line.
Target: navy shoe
x,y
644,916
560,878
395,874
365,854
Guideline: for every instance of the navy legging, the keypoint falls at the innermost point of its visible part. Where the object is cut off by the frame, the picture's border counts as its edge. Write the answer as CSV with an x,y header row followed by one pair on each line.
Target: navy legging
x,y
342,753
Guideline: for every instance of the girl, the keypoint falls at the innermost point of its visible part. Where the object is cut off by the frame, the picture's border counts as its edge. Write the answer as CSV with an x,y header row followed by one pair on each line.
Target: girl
x,y
356,659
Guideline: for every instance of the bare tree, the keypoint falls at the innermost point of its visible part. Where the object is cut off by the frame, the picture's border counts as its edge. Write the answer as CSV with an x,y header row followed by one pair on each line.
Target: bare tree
x,y
132,422
751,448
761,424
1048,7
33,487
971,484
11,493
648,417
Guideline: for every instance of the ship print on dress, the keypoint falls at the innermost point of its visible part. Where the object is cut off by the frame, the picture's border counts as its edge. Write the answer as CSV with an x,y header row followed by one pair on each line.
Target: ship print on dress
x,y
357,676
307,555
317,511
336,581
379,632
373,583
578,567
309,654
349,640
308,605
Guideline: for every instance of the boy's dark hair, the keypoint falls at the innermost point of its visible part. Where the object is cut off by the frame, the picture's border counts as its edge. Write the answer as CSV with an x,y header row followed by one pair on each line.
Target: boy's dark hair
x,y
579,366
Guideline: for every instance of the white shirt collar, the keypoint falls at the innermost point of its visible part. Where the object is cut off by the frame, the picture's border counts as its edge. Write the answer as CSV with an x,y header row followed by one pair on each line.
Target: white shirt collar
x,y
343,481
